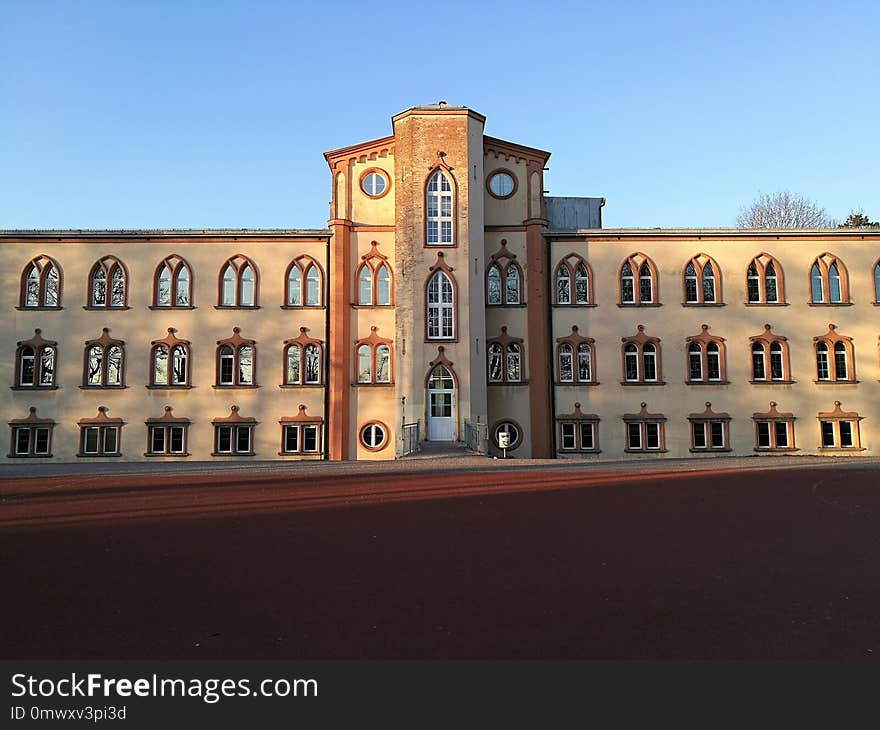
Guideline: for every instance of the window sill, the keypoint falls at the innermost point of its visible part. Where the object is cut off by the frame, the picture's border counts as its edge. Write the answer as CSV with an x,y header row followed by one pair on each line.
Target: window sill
x,y
829,304
576,383
772,382
706,382
283,306
372,385
169,387
294,386
39,309
33,388
586,306
440,245
235,306
357,305
89,308
765,304
507,382
237,453
646,451
775,449
100,456
441,340
169,307
841,449
628,305
708,450
521,305
301,453
837,382
28,456
578,451
174,456
225,386
703,304
643,382
103,387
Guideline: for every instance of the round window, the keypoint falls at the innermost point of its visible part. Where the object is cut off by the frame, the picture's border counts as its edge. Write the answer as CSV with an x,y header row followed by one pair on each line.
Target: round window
x,y
507,435
374,436
502,184
374,184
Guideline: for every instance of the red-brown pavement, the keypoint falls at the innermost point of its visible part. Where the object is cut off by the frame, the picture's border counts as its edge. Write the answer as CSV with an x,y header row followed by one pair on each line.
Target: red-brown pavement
x,y
531,563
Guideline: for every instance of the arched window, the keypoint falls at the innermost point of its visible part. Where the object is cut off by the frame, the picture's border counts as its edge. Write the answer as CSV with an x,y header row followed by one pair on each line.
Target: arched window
x,y
374,279
877,283
169,362
494,295
702,279
505,354
303,360
171,287
236,361
373,360
238,283
706,358
829,282
104,364
304,283
440,303
770,358
41,284
439,210
108,284
644,292
574,281
35,362
764,284
641,359
575,360
835,359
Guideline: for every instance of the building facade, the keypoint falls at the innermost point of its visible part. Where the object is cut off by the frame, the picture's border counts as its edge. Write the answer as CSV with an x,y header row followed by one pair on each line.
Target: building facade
x,y
449,299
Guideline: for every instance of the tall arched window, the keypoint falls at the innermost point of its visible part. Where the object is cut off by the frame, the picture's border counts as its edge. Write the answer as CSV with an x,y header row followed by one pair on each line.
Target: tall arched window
x,y
169,362
236,361
829,282
238,283
505,355
504,278
41,284
638,281
104,364
764,282
374,279
706,358
171,286
35,362
373,360
575,359
574,281
770,361
303,360
641,359
835,358
440,303
304,283
108,284
702,281
439,210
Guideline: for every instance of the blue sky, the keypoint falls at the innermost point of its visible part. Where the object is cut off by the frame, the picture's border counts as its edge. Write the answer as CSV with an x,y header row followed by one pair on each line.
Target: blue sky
x,y
184,114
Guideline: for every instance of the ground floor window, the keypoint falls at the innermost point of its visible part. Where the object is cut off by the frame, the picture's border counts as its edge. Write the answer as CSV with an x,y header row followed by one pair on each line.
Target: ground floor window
x,y
233,439
839,434
31,441
301,439
578,436
99,440
166,440
644,436
771,435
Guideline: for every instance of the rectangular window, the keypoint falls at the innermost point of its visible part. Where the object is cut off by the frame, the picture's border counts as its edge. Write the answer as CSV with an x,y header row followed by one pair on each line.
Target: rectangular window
x,y
224,439
763,434
634,436
568,436
652,435
846,434
587,436
157,439
717,434
291,439
23,441
310,439
176,439
699,431
242,439
111,439
827,433
41,441
781,429
90,440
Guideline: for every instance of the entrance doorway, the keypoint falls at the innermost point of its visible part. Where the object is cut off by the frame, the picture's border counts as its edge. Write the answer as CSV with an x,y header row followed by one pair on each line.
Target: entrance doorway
x,y
441,405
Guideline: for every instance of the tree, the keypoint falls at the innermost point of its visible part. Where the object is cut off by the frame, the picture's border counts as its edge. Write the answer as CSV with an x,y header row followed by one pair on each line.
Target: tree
x,y
783,210
858,219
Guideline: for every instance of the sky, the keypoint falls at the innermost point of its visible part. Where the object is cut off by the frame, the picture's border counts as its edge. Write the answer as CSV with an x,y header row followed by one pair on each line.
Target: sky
x,y
184,114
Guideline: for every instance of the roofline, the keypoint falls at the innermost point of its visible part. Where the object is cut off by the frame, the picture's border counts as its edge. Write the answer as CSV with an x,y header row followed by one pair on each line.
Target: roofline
x,y
427,111
171,233
370,143
528,151
714,232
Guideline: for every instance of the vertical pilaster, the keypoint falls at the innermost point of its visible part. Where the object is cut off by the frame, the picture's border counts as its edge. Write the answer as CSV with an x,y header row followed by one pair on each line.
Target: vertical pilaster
x,y
538,340
339,342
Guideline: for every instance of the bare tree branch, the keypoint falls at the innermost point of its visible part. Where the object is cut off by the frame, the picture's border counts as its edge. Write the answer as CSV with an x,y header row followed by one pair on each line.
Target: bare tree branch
x,y
783,210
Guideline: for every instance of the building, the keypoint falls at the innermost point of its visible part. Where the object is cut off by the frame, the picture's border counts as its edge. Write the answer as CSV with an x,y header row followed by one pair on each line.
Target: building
x,y
449,299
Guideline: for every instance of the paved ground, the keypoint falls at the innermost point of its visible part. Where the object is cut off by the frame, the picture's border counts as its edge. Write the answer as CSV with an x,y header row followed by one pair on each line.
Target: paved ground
x,y
479,559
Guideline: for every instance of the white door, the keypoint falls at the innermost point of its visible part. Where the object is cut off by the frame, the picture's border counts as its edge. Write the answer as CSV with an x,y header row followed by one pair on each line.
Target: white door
x,y
441,404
